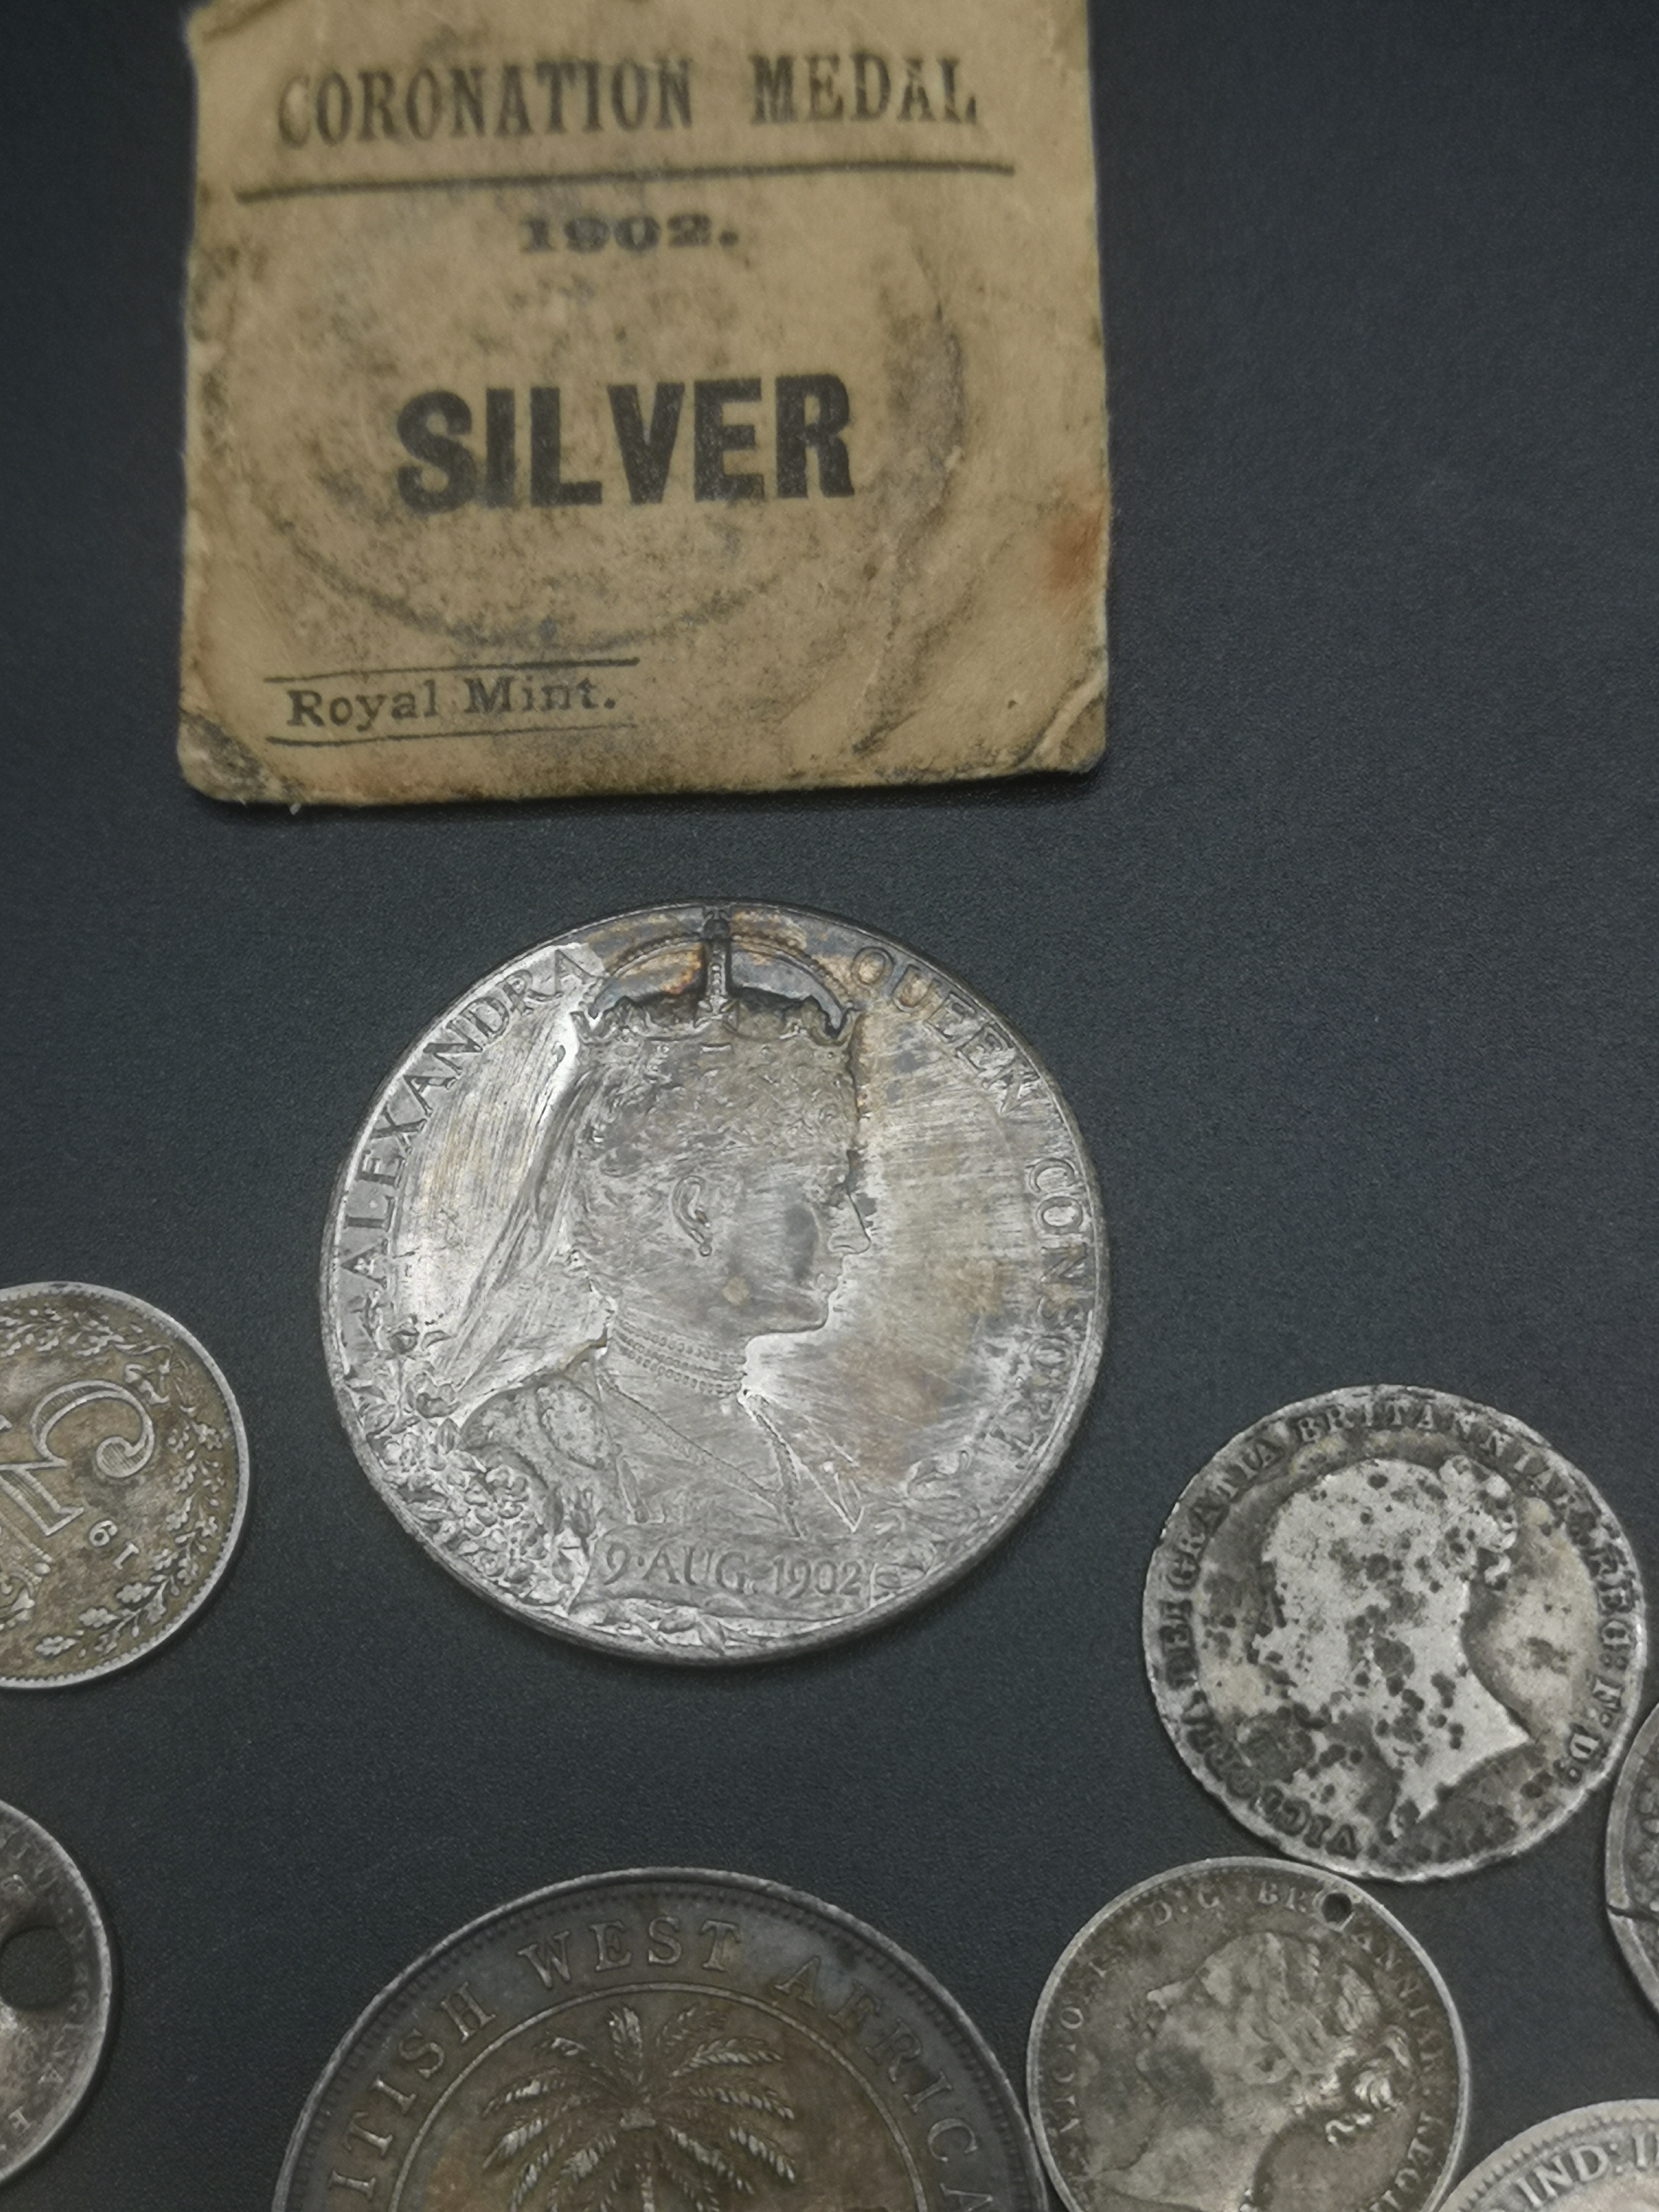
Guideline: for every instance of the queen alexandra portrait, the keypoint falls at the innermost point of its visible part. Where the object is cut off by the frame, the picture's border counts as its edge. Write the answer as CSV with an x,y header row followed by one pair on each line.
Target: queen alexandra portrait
x,y
694,1190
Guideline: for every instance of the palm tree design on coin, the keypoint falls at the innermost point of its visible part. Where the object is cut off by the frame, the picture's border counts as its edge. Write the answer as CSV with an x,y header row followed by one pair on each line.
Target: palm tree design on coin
x,y
675,2120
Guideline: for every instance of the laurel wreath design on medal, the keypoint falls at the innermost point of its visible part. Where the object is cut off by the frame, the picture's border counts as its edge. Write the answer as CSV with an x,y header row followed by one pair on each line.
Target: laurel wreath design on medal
x,y
683,2107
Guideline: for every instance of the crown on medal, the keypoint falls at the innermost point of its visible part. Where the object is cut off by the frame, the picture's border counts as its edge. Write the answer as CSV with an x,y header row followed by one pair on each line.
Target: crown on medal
x,y
723,1050
716,1012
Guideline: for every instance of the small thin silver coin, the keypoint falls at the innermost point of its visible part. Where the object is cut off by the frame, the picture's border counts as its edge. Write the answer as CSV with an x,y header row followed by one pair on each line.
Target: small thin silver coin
x,y
124,1481
713,1283
1396,1633
55,2005
1602,2158
1244,2033
1632,1863
678,2040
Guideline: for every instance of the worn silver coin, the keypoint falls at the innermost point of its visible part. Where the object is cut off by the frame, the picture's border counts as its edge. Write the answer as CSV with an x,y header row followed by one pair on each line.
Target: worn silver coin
x,y
1396,1633
1602,2158
124,1481
1245,2033
663,2042
712,1283
1633,1860
54,2029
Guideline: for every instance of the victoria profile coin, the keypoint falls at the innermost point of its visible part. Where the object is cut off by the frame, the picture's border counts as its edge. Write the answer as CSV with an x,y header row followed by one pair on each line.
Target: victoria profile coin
x,y
712,1283
56,1990
124,1481
1632,1862
663,2042
1602,2158
1246,2033
1396,1633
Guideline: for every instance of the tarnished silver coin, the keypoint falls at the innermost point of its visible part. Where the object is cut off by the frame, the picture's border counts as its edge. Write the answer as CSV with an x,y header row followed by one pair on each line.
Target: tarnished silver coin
x,y
1633,1864
714,1282
1244,2033
1602,2158
124,1479
1395,1632
663,2042
56,1990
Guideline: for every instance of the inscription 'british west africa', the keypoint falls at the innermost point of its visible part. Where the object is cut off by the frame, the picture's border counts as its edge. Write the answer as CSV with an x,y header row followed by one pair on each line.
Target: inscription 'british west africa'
x,y
690,2042
710,1283
1242,2033
708,397
1395,1632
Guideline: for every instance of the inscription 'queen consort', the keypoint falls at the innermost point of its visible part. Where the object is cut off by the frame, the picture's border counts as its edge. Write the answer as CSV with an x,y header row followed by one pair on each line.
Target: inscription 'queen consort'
x,y
710,1282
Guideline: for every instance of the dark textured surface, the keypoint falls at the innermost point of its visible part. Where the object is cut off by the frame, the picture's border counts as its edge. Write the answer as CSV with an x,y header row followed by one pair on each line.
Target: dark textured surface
x,y
1344,961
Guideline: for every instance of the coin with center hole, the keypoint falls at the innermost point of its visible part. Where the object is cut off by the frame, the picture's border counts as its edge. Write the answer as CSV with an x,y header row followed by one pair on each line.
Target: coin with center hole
x,y
712,1283
1602,2158
1241,2032
1395,1632
56,1990
124,1481
687,2041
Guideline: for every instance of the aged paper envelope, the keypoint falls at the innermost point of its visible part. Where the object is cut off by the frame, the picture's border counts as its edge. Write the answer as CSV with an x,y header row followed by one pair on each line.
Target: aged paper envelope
x,y
640,395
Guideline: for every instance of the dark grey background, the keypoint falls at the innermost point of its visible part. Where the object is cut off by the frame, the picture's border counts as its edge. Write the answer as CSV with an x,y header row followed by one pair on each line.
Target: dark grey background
x,y
1344,959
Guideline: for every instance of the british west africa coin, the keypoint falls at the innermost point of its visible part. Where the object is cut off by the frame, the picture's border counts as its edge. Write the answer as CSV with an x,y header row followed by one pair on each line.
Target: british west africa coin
x,y
1247,2032
663,2042
1632,1858
124,1481
1394,1633
56,1990
1602,2158
713,1283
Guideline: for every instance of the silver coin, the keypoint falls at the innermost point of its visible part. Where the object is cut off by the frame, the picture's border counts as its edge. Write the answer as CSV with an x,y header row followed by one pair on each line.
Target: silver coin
x,y
678,2040
1602,2158
709,1283
1243,2033
1395,1632
124,1481
1632,1859
54,2030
